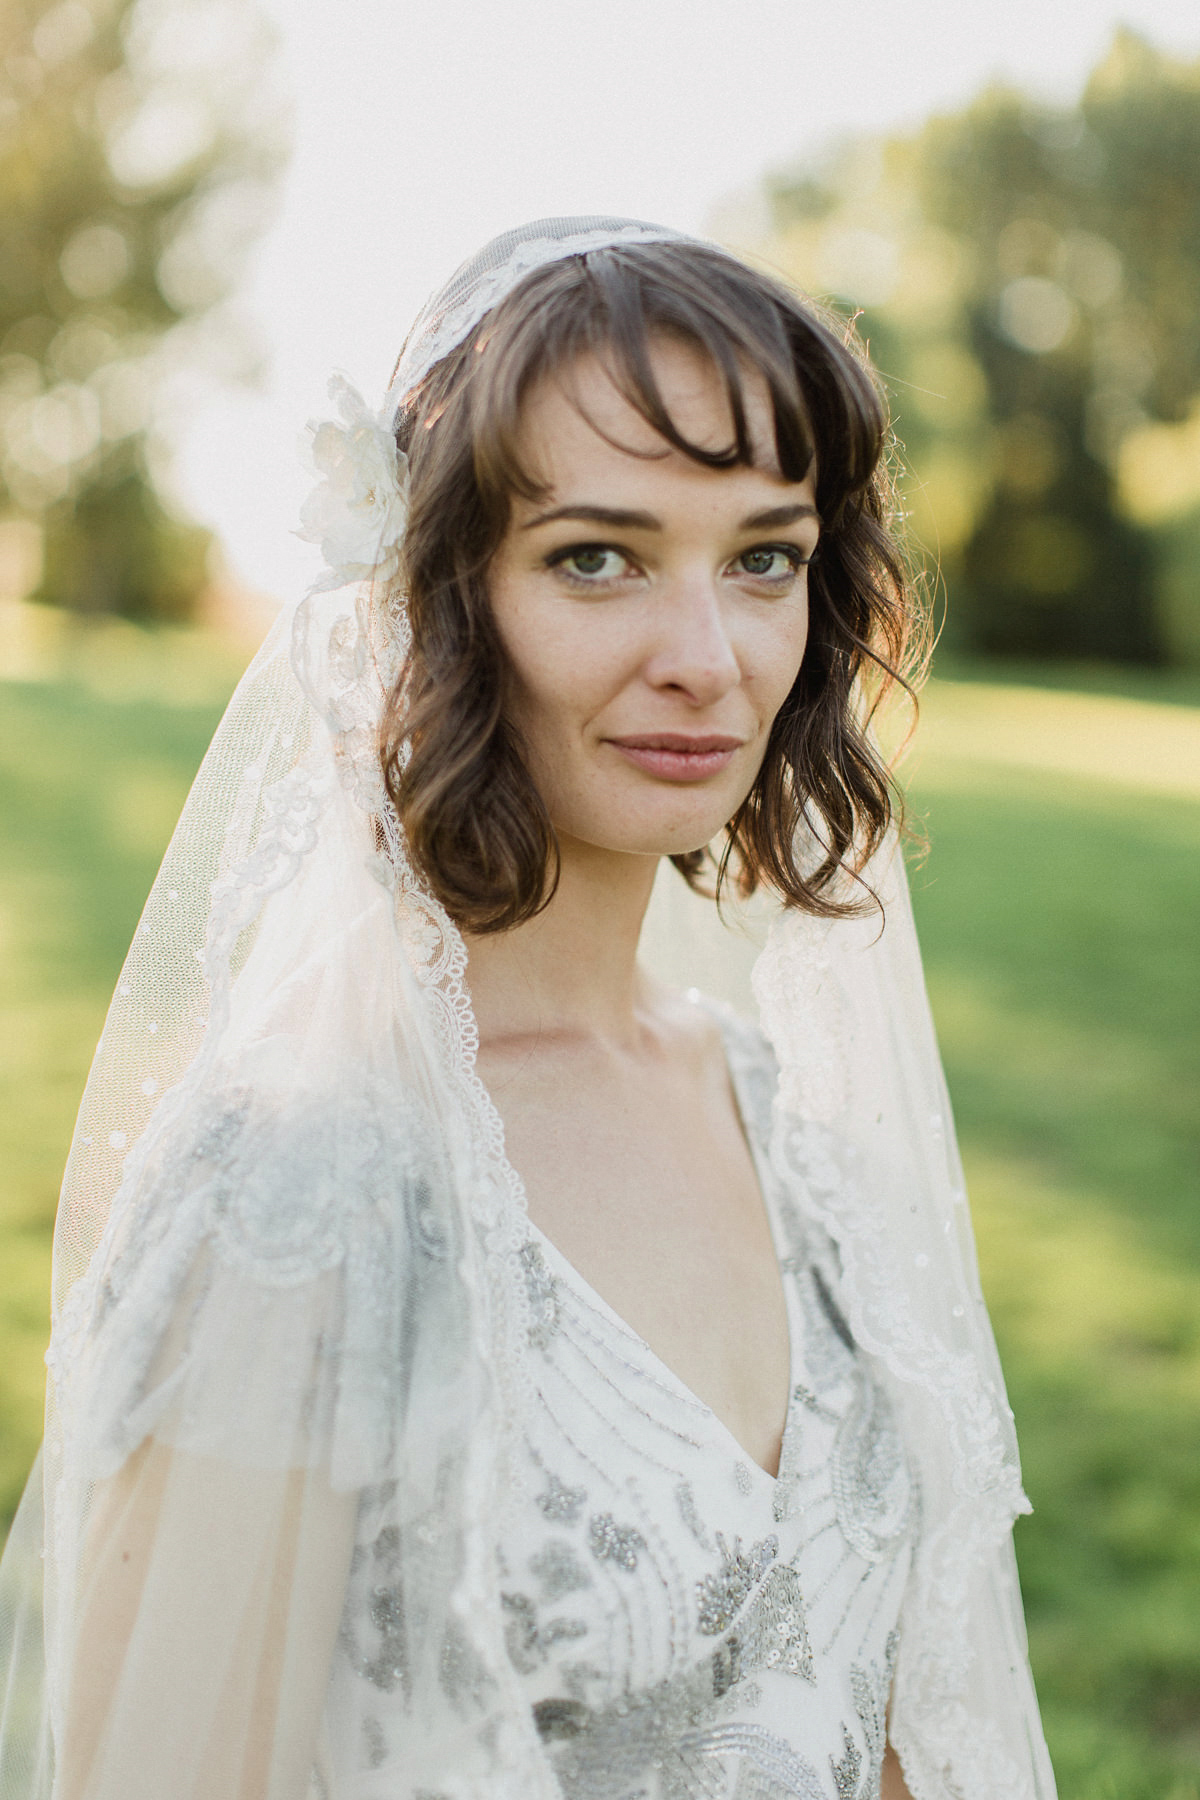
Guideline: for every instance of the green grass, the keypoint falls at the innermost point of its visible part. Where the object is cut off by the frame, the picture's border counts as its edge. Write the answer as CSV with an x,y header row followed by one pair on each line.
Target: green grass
x,y
91,781
1059,923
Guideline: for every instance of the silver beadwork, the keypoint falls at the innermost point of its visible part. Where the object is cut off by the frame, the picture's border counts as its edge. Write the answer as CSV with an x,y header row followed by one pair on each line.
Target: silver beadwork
x,y
558,1570
720,1597
561,1504
542,1292
610,1542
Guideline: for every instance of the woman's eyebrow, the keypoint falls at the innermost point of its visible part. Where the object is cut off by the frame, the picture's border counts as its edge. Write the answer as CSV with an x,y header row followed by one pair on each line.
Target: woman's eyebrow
x,y
598,515
776,516
773,518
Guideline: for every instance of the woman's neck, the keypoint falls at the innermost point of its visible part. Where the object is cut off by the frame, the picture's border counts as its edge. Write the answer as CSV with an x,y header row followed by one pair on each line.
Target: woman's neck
x,y
571,969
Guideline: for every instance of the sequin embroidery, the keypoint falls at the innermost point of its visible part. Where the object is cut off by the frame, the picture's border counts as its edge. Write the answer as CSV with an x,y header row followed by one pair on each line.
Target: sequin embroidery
x,y
542,1292
871,1484
558,1570
610,1542
685,1499
721,1596
375,1575
561,1503
605,1752
530,1642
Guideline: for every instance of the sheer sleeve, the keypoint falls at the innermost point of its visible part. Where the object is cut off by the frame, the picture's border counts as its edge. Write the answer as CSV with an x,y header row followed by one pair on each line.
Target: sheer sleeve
x,y
236,1368
255,1294
208,1602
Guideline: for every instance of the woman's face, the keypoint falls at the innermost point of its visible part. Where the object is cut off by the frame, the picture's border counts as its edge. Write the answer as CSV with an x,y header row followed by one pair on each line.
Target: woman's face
x,y
654,610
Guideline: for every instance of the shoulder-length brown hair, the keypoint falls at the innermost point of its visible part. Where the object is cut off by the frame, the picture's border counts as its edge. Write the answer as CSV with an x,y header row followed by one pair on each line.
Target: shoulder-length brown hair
x,y
476,826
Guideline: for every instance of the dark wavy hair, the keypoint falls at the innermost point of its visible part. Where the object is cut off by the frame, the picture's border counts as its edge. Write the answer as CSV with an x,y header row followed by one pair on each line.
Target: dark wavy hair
x,y
476,826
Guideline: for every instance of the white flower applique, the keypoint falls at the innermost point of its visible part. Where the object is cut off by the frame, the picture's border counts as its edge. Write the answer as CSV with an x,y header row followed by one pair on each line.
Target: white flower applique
x,y
357,511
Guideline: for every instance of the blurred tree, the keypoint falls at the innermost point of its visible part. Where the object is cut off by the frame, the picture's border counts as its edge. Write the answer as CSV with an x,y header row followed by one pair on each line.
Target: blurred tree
x,y
138,149
1029,278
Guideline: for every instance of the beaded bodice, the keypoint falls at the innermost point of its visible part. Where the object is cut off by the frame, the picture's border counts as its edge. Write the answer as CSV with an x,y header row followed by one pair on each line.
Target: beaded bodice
x,y
687,1626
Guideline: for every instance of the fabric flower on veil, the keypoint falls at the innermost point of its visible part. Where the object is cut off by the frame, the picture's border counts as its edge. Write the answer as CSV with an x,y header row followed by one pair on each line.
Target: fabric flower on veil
x,y
357,511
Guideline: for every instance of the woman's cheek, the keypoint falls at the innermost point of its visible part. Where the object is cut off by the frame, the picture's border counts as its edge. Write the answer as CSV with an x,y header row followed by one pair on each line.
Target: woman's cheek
x,y
788,653
771,671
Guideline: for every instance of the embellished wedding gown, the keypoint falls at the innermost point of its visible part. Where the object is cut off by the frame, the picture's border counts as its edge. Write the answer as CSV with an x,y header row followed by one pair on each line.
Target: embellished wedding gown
x,y
686,1625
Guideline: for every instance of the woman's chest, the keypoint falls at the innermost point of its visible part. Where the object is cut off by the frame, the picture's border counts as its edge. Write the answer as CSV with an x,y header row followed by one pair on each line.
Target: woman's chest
x,y
652,1193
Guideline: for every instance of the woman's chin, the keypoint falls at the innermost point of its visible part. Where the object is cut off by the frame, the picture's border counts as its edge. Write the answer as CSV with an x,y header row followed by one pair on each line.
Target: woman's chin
x,y
653,842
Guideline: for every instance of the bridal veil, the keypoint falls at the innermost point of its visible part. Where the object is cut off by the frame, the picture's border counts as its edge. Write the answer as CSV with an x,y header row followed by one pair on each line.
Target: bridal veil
x,y
286,1276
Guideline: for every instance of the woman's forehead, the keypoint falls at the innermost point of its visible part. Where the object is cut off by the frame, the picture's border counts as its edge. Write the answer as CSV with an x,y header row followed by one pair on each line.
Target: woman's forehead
x,y
579,412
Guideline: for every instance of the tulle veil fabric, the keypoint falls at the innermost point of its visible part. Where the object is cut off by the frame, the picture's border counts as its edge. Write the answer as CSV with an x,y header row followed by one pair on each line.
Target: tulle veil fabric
x,y
288,1285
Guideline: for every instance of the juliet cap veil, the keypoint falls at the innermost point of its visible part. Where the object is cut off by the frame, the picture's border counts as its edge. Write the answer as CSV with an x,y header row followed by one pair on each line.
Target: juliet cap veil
x,y
286,1268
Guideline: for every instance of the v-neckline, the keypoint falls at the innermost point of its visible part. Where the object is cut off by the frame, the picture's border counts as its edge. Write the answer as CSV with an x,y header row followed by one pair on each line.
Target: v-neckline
x,y
662,1368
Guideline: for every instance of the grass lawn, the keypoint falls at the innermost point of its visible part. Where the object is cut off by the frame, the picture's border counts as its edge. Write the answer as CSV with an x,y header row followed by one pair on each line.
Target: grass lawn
x,y
93,770
1058,914
1059,923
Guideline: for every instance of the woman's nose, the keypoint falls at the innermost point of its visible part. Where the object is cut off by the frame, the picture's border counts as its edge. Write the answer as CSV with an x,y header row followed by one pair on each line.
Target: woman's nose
x,y
695,652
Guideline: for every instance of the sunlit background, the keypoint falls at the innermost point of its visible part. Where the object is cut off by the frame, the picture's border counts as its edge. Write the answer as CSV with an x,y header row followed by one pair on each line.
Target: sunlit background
x,y
206,206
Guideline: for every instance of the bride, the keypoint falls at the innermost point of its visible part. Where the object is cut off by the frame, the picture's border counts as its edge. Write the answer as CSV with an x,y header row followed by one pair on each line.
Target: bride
x,y
479,1369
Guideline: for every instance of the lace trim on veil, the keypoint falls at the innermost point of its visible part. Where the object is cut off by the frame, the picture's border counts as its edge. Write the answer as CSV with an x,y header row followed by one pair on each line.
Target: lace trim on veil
x,y
868,1208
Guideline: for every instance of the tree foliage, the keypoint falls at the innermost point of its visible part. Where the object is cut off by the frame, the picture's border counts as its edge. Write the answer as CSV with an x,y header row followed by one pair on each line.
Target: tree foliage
x,y
1029,278
138,146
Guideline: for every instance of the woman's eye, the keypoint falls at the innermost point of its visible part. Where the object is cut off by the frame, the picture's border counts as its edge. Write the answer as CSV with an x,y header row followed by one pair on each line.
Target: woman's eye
x,y
591,563
772,562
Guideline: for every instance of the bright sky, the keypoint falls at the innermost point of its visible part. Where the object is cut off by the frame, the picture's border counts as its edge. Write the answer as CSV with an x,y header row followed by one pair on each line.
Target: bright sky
x,y
422,127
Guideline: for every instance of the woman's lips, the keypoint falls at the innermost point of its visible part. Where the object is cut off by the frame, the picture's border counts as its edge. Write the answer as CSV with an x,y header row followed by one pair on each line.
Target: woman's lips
x,y
673,756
